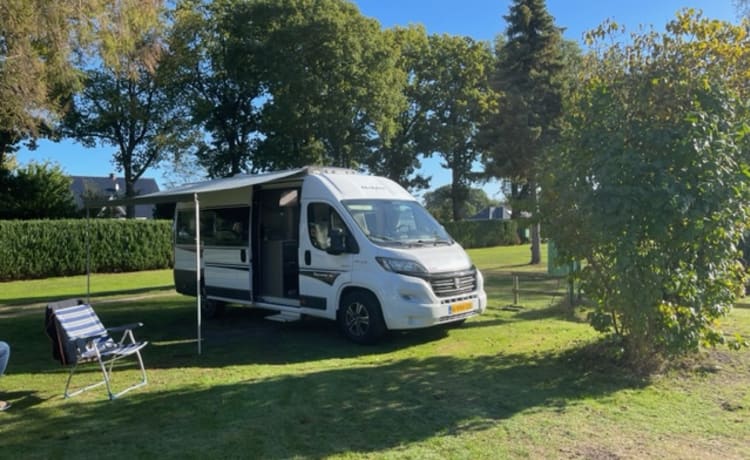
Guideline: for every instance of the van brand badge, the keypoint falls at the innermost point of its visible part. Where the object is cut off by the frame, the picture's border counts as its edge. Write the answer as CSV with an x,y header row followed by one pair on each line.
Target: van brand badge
x,y
326,277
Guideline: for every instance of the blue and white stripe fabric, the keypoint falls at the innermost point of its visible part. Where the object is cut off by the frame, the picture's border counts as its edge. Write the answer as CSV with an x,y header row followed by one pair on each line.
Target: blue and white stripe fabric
x,y
80,322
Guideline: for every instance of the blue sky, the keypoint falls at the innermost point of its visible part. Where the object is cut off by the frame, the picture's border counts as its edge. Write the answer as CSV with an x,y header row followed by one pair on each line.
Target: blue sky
x,y
480,19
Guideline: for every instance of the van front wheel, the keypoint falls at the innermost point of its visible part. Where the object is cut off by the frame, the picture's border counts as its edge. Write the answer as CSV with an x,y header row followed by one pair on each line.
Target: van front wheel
x,y
360,318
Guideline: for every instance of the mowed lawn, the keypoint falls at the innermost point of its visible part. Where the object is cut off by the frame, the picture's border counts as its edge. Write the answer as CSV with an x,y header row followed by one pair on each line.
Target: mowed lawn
x,y
513,383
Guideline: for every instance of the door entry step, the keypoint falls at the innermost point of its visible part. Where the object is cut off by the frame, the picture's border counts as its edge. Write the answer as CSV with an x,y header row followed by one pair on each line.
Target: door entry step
x,y
285,317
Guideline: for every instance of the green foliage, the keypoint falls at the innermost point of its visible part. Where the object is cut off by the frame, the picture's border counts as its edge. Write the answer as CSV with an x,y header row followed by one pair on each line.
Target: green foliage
x,y
41,45
278,83
440,203
332,77
213,68
46,248
458,99
484,233
124,102
651,188
530,77
398,158
36,191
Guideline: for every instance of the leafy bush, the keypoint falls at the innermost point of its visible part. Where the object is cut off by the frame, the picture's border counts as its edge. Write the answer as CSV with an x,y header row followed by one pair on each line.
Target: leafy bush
x,y
36,191
483,233
45,248
652,187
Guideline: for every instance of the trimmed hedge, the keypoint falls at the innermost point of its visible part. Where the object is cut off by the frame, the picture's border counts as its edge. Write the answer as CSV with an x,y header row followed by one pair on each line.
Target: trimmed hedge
x,y
484,233
46,248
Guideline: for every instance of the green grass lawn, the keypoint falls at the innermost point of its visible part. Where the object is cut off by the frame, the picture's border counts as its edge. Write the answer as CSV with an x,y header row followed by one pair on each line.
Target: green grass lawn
x,y
515,382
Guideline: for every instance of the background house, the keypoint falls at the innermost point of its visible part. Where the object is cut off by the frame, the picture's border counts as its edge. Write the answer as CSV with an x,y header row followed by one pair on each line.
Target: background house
x,y
492,213
102,188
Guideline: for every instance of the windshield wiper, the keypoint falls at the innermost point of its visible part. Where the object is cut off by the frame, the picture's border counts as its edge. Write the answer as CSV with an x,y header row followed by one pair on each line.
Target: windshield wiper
x,y
384,238
435,242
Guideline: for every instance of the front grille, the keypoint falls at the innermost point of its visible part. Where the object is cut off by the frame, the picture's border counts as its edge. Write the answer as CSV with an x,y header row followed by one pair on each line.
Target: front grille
x,y
451,284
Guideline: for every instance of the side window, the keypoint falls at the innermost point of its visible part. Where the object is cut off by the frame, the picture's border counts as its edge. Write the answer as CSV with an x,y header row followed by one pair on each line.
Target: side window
x,y
185,227
219,227
318,224
321,219
231,226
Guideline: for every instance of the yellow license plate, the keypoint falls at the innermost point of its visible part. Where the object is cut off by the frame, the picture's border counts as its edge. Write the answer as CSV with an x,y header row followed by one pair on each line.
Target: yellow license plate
x,y
460,307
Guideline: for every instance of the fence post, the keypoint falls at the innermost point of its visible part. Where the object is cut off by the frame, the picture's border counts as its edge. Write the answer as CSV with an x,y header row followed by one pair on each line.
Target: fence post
x,y
516,288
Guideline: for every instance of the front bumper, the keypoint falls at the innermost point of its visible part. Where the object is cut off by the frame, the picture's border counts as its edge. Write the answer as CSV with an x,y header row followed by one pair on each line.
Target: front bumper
x,y
410,303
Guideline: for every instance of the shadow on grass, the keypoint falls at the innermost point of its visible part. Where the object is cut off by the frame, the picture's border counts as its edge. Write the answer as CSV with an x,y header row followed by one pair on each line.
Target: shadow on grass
x,y
240,336
32,300
23,399
559,310
360,410
375,404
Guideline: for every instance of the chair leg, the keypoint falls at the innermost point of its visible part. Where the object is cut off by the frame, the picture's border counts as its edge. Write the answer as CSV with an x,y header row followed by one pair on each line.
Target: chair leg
x,y
106,376
70,377
144,379
67,395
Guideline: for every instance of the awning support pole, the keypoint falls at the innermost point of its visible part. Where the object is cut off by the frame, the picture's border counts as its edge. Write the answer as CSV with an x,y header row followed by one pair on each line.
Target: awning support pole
x,y
198,265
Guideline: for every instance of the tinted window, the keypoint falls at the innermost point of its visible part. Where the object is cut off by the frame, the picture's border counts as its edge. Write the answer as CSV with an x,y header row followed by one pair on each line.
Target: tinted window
x,y
321,218
219,227
185,227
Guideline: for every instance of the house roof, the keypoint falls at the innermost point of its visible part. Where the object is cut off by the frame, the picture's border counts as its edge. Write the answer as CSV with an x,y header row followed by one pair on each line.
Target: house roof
x,y
102,189
492,213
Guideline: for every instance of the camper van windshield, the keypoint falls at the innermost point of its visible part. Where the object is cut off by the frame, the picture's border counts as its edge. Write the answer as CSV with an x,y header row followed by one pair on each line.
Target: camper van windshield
x,y
397,223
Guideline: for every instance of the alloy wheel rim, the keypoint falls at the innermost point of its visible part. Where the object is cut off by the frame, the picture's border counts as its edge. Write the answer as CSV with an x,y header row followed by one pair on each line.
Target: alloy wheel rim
x,y
357,319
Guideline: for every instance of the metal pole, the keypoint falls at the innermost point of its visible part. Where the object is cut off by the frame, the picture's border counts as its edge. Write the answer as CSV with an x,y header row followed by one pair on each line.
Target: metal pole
x,y
198,265
88,259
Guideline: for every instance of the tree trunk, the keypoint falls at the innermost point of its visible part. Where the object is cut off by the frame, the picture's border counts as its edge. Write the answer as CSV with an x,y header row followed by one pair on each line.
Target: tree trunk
x,y
458,198
129,192
536,239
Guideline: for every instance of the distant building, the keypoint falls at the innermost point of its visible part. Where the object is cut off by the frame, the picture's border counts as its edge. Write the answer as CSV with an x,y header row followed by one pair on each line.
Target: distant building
x,y
492,213
103,188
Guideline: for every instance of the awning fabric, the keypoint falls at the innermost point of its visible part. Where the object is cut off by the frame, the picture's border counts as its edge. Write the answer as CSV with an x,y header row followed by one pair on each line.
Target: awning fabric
x,y
187,192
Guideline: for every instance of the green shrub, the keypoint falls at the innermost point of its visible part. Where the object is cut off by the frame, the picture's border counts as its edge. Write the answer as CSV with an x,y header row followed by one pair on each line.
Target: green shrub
x,y
46,248
483,233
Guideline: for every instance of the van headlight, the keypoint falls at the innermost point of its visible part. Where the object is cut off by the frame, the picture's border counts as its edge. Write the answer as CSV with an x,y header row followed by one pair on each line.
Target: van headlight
x,y
403,266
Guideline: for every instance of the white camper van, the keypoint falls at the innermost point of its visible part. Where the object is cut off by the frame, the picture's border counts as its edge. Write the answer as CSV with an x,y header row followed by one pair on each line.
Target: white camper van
x,y
325,242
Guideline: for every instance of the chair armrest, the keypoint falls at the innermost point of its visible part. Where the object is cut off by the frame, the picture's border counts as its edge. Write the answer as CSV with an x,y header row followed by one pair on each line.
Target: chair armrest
x,y
124,327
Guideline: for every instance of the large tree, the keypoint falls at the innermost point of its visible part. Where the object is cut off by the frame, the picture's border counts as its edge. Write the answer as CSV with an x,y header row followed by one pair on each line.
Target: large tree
x,y
332,83
457,96
652,185
41,43
398,158
213,49
124,103
528,76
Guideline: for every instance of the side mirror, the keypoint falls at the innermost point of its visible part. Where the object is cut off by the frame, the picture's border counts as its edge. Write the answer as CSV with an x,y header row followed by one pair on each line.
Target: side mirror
x,y
338,241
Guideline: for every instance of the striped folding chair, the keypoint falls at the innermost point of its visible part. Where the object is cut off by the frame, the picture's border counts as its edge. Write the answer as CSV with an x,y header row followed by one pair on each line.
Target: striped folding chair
x,y
79,337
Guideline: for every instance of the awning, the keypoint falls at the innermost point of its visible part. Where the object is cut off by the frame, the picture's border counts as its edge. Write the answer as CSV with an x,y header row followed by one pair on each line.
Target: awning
x,y
193,192
188,191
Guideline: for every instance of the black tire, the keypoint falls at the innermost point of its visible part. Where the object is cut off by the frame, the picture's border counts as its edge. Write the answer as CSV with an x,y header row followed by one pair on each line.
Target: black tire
x,y
360,318
211,309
